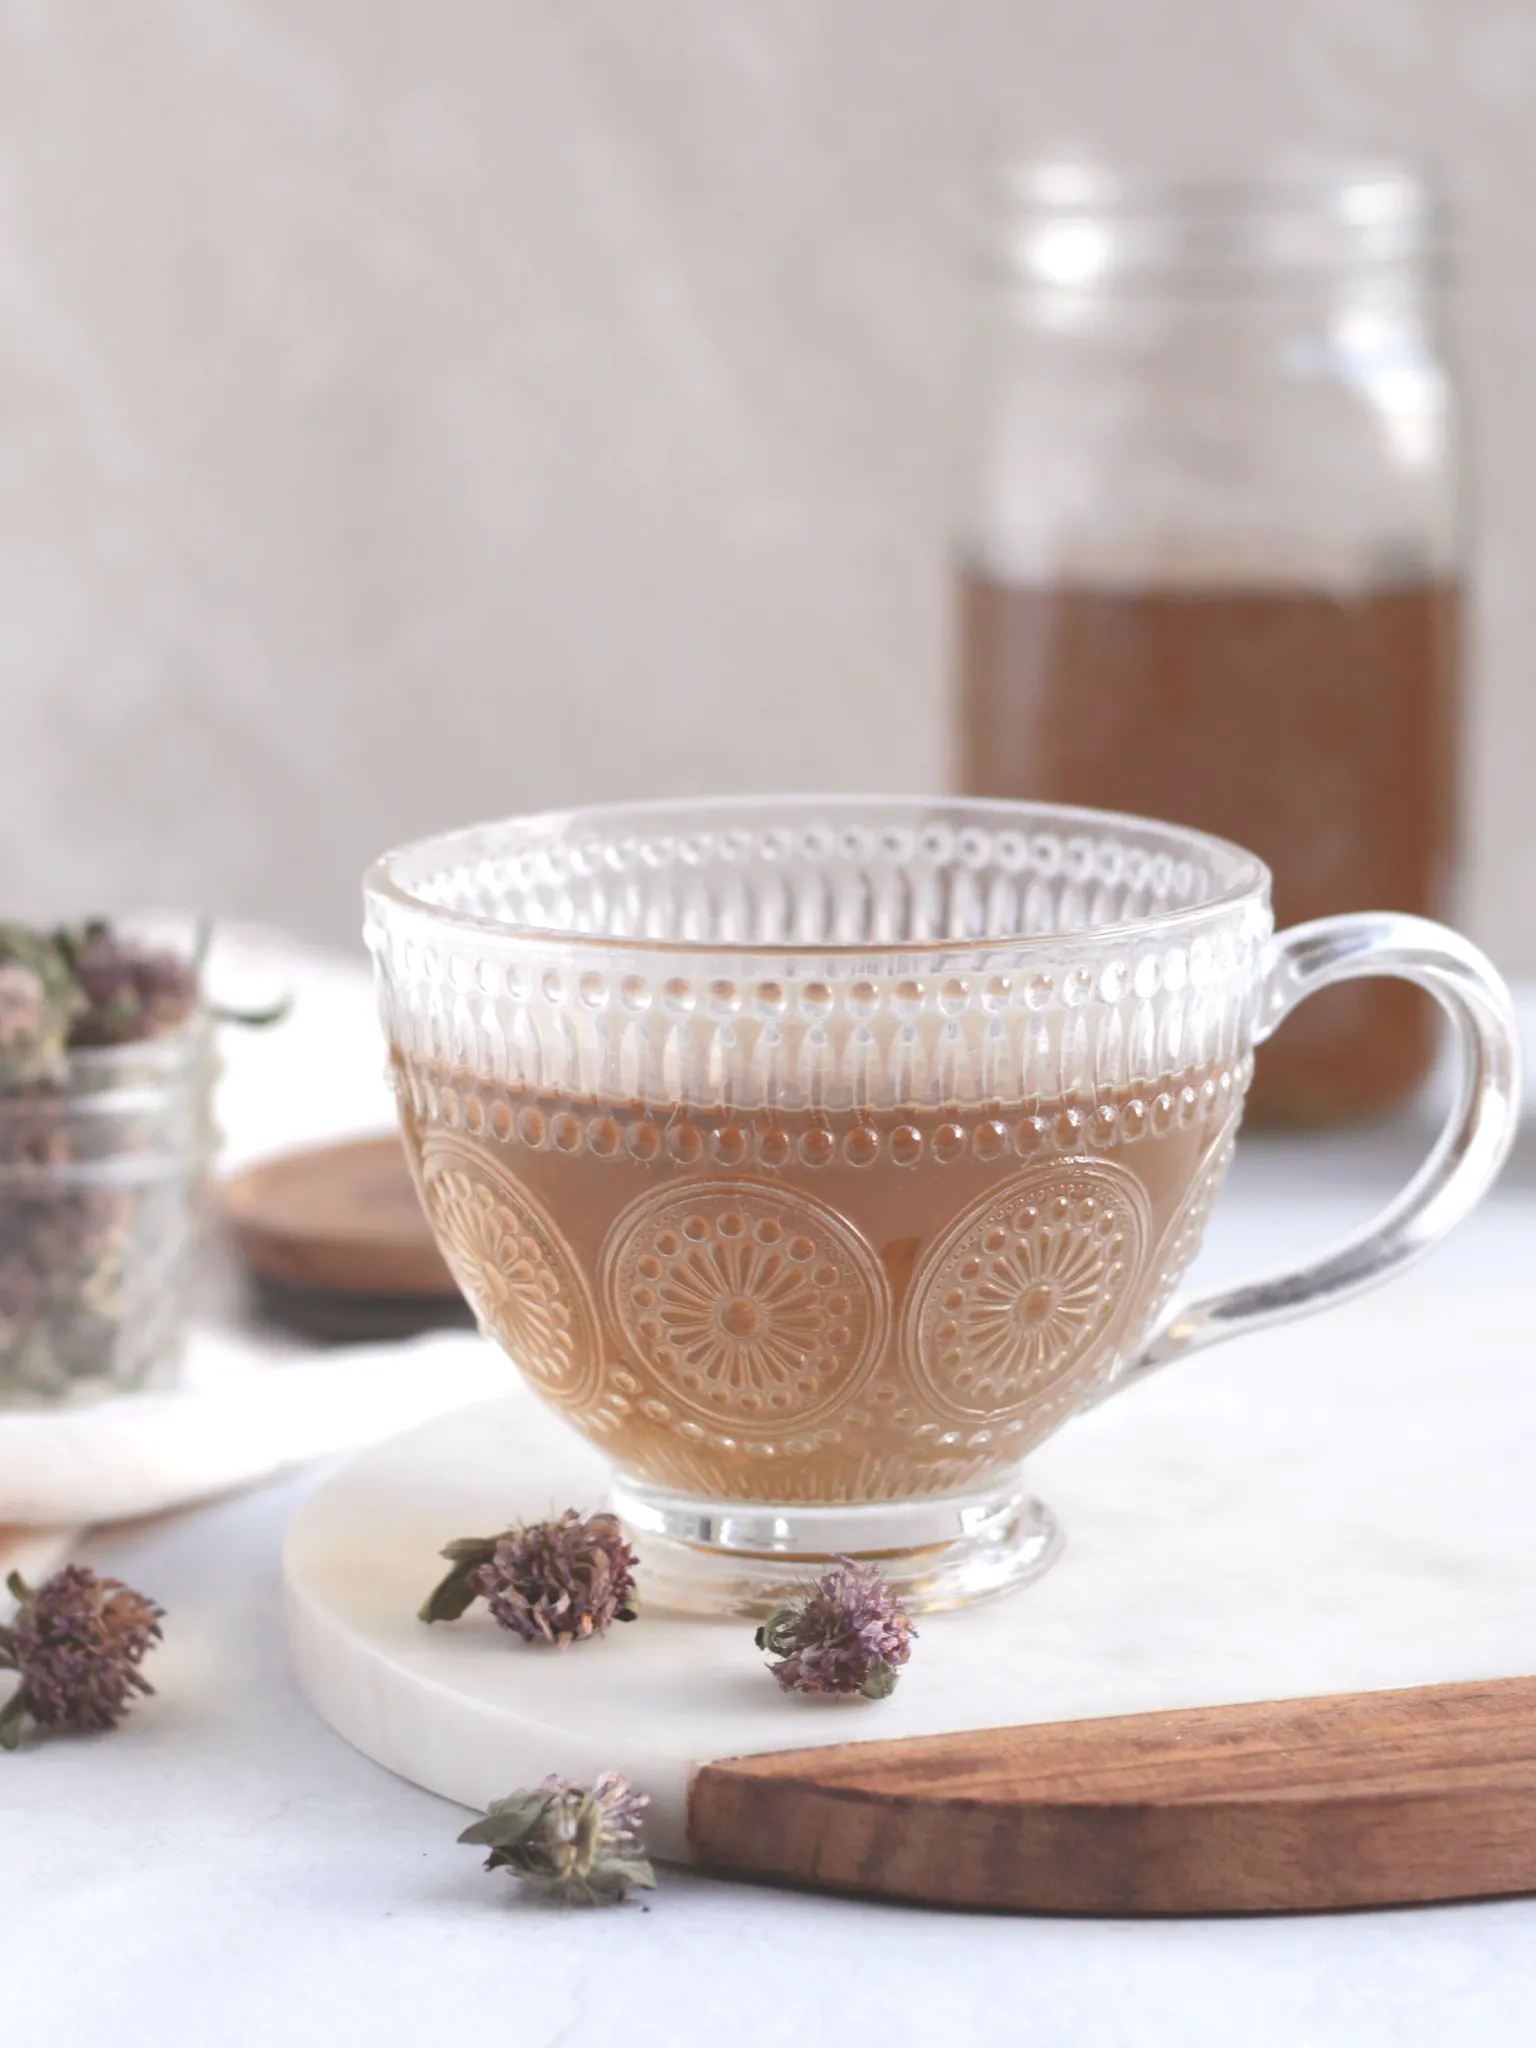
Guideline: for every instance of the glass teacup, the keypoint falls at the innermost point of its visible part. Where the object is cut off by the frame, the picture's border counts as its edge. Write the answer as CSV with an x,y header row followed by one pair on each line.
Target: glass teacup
x,y
816,1157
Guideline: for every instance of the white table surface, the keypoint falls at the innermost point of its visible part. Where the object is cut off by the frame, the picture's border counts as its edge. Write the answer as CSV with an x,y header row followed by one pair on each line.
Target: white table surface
x,y
225,1870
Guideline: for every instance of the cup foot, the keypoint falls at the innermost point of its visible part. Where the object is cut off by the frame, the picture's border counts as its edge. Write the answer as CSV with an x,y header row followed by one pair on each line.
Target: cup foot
x,y
741,1559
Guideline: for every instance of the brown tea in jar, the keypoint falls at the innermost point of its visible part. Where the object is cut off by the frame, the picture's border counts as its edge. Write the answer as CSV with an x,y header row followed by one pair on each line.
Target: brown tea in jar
x,y
1318,728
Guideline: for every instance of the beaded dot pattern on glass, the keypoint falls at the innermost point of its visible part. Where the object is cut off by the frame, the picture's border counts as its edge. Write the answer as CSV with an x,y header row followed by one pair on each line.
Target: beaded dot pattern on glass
x,y
1034,999
1181,1240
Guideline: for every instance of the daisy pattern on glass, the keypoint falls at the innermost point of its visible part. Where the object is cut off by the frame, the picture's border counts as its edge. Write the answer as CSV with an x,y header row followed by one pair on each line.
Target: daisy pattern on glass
x,y
1028,1288
749,1305
516,1270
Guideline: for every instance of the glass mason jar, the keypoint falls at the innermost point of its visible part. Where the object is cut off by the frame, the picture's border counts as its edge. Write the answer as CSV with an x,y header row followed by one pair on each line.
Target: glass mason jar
x,y
103,1168
1210,553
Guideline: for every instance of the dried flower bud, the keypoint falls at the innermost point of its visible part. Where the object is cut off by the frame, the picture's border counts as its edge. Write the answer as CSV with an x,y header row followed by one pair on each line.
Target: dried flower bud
x,y
847,1633
552,1582
129,992
77,1643
579,1844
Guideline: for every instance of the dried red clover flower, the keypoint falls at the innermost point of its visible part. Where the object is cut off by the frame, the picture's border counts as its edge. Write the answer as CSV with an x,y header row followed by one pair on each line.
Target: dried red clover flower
x,y
75,987
128,992
77,1643
549,1582
580,1844
847,1633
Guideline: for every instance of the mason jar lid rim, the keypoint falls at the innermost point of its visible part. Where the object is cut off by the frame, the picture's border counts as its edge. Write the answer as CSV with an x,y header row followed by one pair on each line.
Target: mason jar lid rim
x,y
1351,189
1073,222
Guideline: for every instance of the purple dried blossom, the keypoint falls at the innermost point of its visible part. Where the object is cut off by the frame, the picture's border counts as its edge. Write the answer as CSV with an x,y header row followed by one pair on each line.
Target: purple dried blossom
x,y
77,1643
129,991
556,1582
581,1843
847,1633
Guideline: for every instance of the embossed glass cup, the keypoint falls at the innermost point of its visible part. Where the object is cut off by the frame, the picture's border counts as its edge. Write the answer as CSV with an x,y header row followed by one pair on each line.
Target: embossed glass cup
x,y
816,1157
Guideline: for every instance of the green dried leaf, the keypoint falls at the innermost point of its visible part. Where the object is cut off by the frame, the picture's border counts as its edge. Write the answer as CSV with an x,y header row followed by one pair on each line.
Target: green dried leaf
x,y
880,1683
454,1595
777,1634
12,1714
253,1020
507,1822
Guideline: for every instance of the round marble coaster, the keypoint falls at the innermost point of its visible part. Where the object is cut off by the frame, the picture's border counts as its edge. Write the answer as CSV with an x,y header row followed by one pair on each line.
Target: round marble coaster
x,y
1337,1507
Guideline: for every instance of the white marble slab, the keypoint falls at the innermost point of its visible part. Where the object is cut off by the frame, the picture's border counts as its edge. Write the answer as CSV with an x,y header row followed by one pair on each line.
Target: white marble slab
x,y
32,1552
1346,1503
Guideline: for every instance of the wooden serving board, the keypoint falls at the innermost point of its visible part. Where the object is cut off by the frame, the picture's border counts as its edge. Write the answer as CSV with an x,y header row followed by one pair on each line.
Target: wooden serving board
x,y
1362,1799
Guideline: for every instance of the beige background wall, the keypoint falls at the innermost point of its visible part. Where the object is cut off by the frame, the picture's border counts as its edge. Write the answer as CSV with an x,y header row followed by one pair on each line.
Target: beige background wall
x,y
415,409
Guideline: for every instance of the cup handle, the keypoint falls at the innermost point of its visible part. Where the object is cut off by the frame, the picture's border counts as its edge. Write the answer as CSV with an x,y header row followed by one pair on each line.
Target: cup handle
x,y
1453,1179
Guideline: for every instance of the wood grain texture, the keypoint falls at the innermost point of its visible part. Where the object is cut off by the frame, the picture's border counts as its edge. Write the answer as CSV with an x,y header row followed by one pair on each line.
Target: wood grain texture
x,y
341,1217
1364,1799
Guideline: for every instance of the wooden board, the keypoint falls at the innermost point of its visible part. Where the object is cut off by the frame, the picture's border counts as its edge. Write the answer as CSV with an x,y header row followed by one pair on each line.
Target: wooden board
x,y
1362,1799
340,1218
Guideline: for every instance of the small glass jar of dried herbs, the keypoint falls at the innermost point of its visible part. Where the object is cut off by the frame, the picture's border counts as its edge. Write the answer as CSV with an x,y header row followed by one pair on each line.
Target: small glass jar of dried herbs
x,y
107,1065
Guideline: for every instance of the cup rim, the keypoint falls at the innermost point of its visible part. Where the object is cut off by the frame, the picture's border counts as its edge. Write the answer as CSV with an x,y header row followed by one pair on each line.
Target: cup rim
x,y
1249,881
